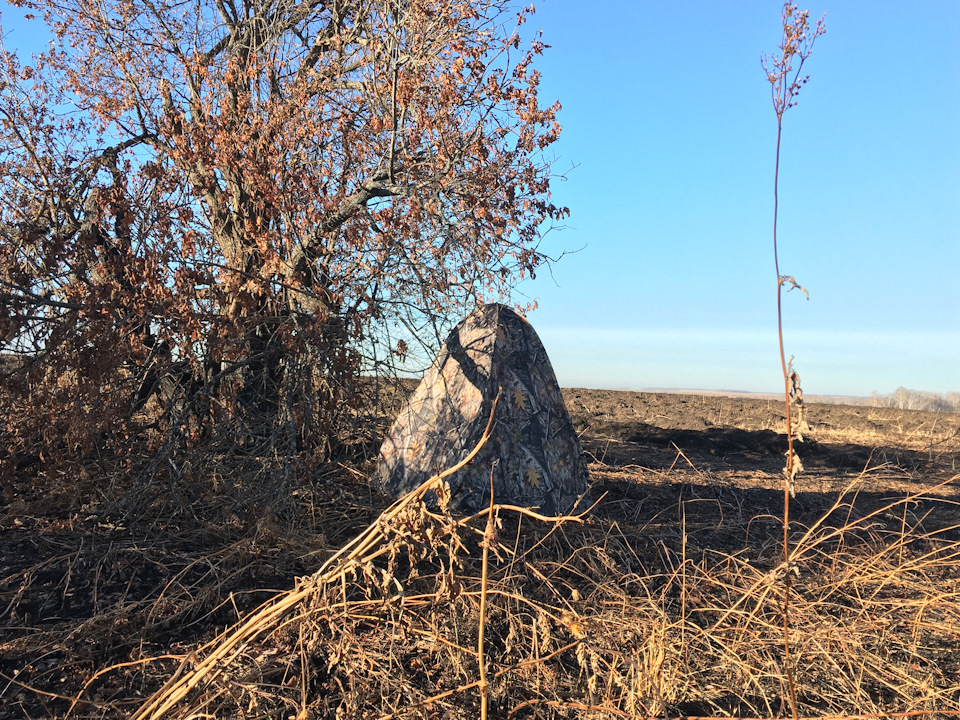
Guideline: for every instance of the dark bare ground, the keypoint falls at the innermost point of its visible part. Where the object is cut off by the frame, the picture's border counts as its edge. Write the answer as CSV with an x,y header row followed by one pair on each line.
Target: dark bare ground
x,y
81,591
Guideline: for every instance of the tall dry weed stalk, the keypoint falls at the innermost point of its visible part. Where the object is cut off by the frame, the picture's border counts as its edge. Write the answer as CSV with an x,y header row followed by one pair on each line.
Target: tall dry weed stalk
x,y
784,72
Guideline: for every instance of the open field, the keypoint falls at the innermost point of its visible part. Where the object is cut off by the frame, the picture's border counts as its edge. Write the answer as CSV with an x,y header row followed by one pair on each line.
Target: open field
x,y
667,601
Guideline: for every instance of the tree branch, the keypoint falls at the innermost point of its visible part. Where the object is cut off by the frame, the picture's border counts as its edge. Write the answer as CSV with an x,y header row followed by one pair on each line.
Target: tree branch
x,y
25,296
373,188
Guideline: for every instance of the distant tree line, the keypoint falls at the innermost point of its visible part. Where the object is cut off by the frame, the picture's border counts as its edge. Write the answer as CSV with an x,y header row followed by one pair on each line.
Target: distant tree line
x,y
906,399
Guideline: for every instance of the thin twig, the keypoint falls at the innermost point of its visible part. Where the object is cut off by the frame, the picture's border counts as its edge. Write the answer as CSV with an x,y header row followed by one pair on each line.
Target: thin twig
x,y
489,537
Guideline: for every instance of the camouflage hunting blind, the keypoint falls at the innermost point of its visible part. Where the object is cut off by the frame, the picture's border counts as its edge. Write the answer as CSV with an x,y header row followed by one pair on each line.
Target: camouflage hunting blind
x,y
533,452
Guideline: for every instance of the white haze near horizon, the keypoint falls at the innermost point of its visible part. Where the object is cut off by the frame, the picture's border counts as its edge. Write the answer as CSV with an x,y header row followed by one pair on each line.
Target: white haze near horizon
x,y
829,362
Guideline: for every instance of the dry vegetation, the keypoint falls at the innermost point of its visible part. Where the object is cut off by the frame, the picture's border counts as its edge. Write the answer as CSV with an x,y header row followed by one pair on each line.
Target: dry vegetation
x,y
665,601
183,535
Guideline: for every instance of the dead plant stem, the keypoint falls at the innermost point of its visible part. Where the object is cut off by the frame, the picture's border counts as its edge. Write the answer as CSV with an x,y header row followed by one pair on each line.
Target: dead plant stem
x,y
787,662
488,539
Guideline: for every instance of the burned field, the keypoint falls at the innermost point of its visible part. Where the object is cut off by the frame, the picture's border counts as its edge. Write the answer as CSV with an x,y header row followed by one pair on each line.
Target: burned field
x,y
666,600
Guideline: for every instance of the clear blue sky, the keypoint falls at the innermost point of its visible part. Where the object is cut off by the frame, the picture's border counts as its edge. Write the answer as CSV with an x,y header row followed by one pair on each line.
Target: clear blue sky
x,y
668,121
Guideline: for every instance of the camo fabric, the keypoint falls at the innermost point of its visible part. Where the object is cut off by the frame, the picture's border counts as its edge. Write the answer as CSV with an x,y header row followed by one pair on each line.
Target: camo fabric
x,y
534,452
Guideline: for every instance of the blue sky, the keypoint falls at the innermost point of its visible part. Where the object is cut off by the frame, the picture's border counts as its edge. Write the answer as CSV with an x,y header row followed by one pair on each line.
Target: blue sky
x,y
668,120
668,150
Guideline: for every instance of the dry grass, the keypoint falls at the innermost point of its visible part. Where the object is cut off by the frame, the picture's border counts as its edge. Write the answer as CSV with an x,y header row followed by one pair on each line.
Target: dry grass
x,y
582,620
664,601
